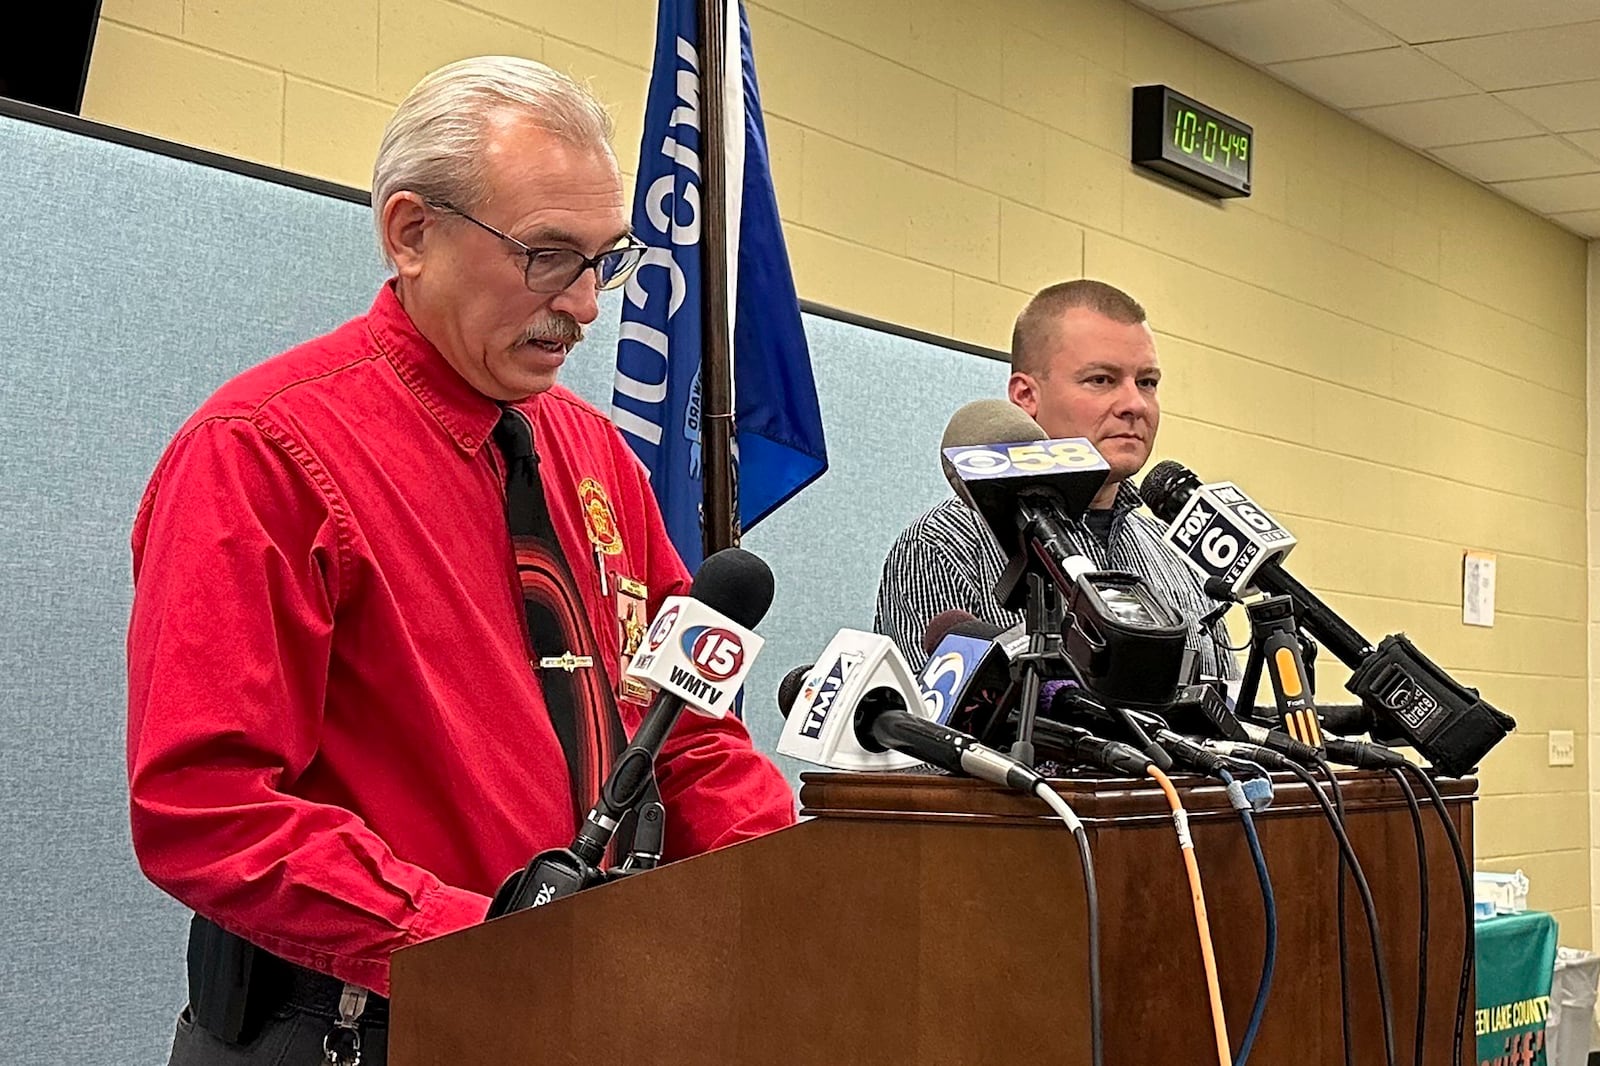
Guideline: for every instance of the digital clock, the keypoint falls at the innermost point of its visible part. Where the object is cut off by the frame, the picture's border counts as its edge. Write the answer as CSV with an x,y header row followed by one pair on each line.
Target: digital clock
x,y
1190,142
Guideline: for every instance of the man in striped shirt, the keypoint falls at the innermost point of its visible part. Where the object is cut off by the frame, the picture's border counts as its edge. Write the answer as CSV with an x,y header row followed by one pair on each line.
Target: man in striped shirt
x,y
1083,364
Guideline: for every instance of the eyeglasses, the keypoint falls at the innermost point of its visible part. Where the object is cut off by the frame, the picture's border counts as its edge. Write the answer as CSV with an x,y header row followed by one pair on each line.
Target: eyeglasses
x,y
553,270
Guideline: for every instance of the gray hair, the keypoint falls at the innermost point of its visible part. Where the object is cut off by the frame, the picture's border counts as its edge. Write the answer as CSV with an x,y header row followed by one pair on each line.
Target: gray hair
x,y
433,145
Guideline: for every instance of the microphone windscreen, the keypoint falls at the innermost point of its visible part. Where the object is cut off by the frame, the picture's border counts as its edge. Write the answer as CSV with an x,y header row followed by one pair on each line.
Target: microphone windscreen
x,y
941,625
789,687
1166,488
976,628
985,422
735,583
1047,694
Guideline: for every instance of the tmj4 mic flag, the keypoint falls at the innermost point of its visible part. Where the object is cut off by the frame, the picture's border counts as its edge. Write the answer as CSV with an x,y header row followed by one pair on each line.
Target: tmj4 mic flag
x,y
656,401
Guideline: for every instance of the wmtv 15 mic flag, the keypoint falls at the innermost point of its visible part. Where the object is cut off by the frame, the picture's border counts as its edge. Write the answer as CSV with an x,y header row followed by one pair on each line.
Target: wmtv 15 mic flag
x,y
696,653
854,668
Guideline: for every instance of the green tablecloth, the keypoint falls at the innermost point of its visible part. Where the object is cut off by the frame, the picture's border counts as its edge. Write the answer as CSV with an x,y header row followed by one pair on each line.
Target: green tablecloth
x,y
1516,956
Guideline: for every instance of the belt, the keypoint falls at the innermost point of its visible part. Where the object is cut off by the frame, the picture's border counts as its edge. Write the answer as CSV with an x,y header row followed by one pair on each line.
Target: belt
x,y
318,994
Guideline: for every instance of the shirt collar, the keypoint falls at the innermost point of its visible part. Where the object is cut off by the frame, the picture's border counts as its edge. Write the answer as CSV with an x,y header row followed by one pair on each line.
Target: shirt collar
x,y
1128,498
463,412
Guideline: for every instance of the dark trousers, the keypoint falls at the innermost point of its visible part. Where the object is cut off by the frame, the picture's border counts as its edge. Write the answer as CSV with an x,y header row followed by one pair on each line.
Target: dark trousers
x,y
293,1037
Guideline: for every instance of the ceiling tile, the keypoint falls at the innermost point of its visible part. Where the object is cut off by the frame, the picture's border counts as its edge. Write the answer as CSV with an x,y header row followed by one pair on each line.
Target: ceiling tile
x,y
1584,223
1273,31
1367,79
1580,192
1458,120
1588,140
1524,157
1525,58
1572,106
1432,20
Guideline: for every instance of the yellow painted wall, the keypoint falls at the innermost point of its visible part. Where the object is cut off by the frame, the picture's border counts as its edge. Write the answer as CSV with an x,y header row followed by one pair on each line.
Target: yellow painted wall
x,y
1594,593
1389,357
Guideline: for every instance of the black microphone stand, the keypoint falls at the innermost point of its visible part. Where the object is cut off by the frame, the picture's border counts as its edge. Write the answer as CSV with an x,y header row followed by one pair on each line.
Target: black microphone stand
x,y
1044,615
558,872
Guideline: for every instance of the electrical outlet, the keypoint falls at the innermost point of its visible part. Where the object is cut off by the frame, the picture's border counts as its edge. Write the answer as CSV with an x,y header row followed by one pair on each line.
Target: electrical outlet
x,y
1562,747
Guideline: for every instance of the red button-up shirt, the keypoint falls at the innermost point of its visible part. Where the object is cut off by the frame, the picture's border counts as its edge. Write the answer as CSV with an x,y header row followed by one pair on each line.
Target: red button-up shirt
x,y
336,743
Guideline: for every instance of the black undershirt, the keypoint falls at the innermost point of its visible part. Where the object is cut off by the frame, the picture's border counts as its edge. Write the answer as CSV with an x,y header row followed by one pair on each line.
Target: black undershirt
x,y
1099,523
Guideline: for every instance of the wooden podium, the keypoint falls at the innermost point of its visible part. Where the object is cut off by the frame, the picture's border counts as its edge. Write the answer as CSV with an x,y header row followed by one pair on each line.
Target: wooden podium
x,y
936,920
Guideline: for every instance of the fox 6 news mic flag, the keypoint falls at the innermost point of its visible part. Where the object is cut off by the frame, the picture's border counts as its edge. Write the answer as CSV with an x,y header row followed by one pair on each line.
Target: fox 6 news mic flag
x,y
656,399
1223,533
820,724
697,654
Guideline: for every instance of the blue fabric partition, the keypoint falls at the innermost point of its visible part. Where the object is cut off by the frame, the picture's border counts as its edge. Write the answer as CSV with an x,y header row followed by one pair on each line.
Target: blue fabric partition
x,y
132,284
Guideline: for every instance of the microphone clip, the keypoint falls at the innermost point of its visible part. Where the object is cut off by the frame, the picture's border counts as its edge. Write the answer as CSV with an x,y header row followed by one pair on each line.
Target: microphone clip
x,y
551,875
558,872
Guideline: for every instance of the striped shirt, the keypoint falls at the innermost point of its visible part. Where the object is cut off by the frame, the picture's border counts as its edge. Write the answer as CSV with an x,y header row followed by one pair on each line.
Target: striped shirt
x,y
946,560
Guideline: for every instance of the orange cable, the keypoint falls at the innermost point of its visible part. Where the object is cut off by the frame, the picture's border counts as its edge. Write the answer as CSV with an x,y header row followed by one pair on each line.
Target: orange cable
x,y
1180,818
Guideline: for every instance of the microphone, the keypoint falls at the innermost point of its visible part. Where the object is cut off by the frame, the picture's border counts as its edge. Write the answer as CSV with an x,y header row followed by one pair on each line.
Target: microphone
x,y
1230,545
1023,485
1217,529
1345,718
966,682
1452,725
882,725
868,721
944,623
1203,711
819,702
697,652
790,686
1363,755
1072,743
1357,753
1059,699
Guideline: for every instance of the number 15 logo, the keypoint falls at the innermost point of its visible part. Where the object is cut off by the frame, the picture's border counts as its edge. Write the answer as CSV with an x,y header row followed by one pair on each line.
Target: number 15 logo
x,y
717,654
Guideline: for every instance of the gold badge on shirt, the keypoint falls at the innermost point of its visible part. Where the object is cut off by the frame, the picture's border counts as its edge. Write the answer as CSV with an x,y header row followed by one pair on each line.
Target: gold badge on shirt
x,y
632,597
598,517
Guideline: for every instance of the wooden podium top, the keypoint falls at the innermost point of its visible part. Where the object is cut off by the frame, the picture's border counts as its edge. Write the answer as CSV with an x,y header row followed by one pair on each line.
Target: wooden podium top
x,y
1099,801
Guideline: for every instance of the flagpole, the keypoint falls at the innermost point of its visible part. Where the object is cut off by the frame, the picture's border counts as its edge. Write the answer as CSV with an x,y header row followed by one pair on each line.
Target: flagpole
x,y
720,522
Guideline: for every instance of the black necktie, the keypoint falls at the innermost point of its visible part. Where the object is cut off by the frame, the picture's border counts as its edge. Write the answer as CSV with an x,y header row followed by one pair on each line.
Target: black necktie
x,y
562,647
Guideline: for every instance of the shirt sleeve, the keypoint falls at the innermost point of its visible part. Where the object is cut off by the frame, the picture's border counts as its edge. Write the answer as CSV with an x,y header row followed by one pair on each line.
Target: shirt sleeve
x,y
238,556
717,788
922,577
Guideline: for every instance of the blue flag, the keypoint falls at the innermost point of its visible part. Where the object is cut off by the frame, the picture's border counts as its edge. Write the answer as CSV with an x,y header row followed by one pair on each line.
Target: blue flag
x,y
656,399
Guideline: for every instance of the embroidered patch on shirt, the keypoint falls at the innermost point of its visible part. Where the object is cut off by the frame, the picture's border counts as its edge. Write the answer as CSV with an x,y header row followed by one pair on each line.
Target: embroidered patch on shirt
x,y
598,517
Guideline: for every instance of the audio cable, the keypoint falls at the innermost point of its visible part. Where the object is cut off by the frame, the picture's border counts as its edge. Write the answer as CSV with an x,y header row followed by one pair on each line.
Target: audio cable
x,y
1180,820
1269,906
1091,896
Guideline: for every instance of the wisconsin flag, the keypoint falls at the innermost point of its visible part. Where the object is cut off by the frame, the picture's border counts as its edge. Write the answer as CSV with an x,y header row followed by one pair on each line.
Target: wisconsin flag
x,y
655,402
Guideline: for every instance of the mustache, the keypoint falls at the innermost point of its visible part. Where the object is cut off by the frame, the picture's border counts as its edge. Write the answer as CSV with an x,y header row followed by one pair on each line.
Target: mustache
x,y
557,328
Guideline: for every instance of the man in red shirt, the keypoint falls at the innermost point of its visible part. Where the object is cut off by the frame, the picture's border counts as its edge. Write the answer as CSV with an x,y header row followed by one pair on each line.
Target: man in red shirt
x,y
338,734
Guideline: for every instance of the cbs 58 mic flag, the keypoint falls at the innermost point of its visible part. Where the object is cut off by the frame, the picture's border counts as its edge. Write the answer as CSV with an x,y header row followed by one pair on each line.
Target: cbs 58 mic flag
x,y
655,402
